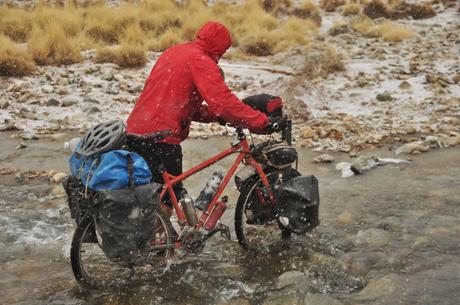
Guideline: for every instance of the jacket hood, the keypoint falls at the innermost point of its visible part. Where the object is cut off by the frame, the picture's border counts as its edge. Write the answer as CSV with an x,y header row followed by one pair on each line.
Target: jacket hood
x,y
214,38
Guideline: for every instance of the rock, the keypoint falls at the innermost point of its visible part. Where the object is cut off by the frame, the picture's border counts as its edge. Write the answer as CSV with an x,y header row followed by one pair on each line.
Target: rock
x,y
405,85
319,299
51,173
385,96
325,158
91,109
412,148
364,163
29,135
52,102
58,136
58,190
345,218
112,90
47,89
372,237
308,133
377,289
290,278
58,177
21,145
4,103
69,101
107,74
91,100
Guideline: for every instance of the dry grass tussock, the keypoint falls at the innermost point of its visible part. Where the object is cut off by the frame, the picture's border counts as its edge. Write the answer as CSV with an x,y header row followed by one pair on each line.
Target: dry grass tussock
x,y
350,9
124,55
321,60
331,5
14,61
388,30
51,46
397,9
56,34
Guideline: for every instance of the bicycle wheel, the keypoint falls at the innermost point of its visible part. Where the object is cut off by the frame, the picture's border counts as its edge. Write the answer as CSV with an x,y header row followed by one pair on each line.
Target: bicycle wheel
x,y
93,269
255,225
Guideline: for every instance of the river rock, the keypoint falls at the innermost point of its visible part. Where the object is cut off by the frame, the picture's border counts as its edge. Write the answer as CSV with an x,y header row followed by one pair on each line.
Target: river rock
x,y
308,133
379,288
21,145
69,101
47,89
4,103
52,102
412,148
373,237
91,100
107,74
91,109
325,158
344,218
405,85
58,190
319,299
290,278
385,96
29,135
58,177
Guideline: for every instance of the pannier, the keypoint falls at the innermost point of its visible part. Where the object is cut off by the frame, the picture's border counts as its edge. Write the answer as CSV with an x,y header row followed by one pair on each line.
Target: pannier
x,y
125,221
268,104
298,204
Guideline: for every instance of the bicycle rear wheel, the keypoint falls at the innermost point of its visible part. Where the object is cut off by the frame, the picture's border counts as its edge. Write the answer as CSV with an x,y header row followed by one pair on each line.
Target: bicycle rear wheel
x,y
93,269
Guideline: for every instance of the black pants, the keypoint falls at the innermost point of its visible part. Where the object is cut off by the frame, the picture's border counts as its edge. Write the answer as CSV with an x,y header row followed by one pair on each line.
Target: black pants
x,y
159,157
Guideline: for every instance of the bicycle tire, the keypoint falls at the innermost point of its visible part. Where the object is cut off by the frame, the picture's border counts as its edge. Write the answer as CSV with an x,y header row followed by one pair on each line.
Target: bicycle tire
x,y
121,272
249,240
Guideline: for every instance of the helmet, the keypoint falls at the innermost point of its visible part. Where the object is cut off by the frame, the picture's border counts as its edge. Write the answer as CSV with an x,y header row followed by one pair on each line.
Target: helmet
x,y
102,138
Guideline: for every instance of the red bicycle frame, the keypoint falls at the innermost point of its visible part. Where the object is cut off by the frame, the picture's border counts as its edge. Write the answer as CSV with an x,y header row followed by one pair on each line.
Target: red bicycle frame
x,y
244,157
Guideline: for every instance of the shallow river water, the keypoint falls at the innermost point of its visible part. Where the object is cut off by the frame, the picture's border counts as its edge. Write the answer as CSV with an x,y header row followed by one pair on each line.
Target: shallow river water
x,y
391,236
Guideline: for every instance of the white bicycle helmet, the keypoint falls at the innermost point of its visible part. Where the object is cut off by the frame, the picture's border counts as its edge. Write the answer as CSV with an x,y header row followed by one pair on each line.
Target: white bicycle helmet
x,y
102,138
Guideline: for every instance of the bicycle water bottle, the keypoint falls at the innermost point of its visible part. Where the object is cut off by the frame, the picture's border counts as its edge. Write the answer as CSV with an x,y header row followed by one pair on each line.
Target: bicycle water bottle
x,y
189,210
216,214
209,190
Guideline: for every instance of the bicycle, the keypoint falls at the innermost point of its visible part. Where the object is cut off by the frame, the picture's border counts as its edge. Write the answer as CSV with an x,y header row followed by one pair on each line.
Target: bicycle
x,y
256,216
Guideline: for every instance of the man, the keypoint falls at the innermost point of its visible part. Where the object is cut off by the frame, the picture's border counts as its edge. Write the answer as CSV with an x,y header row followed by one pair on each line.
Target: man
x,y
183,77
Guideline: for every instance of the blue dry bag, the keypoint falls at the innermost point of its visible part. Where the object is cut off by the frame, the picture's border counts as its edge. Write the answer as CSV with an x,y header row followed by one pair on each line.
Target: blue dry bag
x,y
112,170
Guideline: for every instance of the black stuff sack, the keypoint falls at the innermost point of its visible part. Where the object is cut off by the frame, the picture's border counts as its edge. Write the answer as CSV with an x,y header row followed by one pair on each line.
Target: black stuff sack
x,y
125,221
297,202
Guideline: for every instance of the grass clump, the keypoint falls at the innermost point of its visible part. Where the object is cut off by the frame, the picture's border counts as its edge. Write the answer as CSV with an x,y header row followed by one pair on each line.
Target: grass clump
x,y
321,60
350,9
130,56
308,10
166,40
15,23
14,61
376,9
331,5
276,6
51,46
388,30
125,55
391,32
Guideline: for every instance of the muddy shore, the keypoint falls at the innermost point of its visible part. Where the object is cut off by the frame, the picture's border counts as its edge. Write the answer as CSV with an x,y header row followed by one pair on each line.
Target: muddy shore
x,y
389,236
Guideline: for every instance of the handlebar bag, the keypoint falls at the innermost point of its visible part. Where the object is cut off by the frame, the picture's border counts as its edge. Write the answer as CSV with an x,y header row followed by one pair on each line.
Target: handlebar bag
x,y
297,203
268,104
112,170
125,221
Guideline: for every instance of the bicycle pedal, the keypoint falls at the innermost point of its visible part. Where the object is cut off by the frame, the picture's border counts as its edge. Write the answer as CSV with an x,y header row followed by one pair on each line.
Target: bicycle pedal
x,y
224,231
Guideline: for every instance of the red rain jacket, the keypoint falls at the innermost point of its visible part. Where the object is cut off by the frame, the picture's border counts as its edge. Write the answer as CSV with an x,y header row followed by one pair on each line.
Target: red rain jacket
x,y
184,76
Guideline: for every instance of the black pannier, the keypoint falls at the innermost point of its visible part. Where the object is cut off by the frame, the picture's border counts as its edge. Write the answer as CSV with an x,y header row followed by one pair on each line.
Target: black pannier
x,y
125,221
79,204
268,104
298,204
